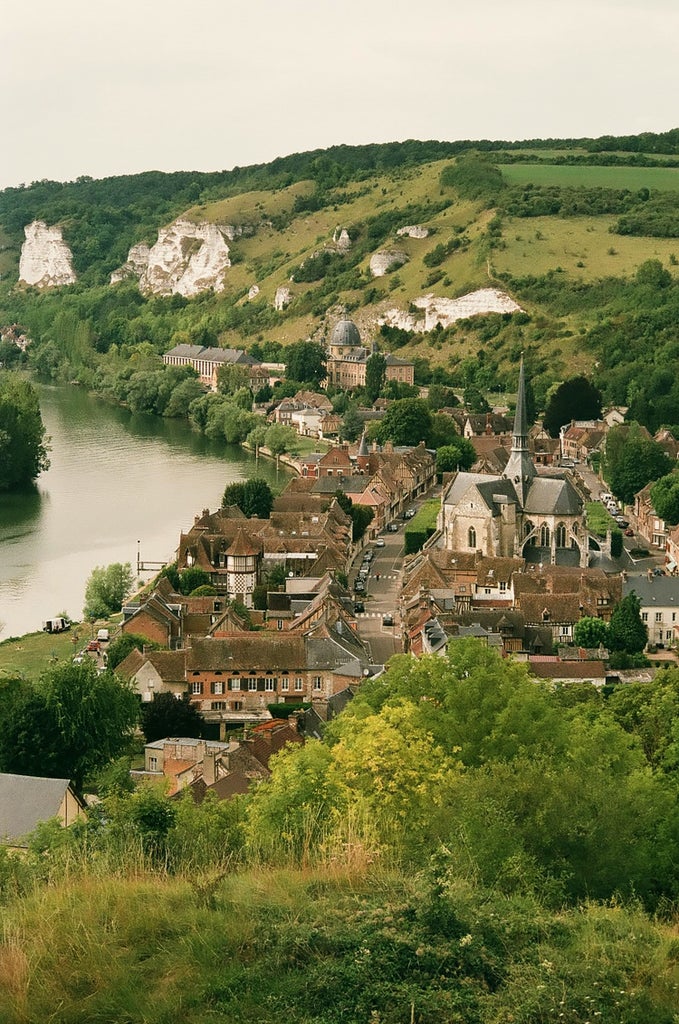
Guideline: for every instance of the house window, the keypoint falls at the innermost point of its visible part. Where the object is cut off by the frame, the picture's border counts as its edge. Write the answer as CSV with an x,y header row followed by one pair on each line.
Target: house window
x,y
658,616
487,590
269,683
279,624
235,683
252,683
668,634
285,683
217,687
218,705
644,616
196,687
317,682
237,705
299,683
471,538
503,586
153,764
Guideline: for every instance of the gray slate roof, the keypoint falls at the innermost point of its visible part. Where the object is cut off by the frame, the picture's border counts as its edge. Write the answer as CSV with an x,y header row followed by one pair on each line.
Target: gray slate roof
x,y
552,496
27,800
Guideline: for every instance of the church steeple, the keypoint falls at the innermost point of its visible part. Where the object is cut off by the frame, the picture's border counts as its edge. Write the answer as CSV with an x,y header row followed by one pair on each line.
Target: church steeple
x,y
520,468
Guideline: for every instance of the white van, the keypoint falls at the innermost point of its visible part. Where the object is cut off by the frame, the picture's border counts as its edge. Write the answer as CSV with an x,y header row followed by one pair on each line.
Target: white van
x,y
103,636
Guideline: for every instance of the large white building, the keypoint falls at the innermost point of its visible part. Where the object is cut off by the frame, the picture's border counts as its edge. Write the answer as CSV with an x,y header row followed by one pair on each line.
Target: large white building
x,y
519,514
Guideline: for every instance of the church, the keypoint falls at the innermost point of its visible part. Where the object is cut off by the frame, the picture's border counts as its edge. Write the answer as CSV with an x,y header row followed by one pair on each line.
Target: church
x,y
519,514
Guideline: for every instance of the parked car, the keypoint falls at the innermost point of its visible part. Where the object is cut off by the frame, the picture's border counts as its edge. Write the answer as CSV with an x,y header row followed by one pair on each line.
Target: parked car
x,y
93,645
359,606
368,556
359,586
410,513
658,571
388,619
392,527
379,543
103,636
629,532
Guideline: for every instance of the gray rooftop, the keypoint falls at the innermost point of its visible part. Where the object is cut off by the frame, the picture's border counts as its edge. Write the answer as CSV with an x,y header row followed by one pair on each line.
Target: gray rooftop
x,y
661,591
345,332
26,801
552,496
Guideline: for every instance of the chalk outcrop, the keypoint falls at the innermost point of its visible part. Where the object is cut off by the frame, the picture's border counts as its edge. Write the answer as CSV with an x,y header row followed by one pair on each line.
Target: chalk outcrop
x,y
341,239
46,261
253,291
437,310
385,260
187,259
414,231
282,298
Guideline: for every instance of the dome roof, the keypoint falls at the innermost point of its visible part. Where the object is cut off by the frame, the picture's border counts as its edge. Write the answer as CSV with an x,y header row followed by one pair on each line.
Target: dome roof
x,y
345,332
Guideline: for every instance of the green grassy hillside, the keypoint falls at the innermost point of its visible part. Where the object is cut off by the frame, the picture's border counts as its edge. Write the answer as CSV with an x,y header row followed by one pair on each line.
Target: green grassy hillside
x,y
563,237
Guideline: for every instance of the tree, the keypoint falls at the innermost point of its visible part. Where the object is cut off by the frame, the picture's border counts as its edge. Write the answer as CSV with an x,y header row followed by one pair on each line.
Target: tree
x,y
352,424
192,578
73,723
575,399
375,375
474,400
443,431
590,632
627,632
166,715
281,439
361,517
652,272
305,362
119,648
231,377
459,454
106,589
253,497
632,461
406,422
23,445
665,498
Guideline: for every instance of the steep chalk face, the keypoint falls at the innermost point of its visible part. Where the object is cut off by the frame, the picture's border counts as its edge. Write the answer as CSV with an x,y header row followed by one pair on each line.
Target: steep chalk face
x,y
187,259
385,260
413,231
46,261
437,310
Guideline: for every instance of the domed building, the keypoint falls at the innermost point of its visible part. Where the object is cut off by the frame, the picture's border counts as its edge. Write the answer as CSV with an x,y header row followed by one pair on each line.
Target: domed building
x,y
347,358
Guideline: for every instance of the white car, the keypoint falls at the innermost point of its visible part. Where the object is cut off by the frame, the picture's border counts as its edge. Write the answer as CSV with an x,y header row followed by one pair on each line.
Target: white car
x,y
379,543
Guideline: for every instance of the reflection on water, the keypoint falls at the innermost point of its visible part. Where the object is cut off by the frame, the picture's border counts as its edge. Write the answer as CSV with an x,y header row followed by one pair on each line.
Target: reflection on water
x,y
114,479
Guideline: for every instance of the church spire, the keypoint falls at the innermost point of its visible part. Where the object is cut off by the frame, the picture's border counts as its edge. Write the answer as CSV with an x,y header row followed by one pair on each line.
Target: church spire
x,y
520,468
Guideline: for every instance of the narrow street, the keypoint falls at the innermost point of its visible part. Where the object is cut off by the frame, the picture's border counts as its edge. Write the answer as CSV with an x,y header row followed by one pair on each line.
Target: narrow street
x,y
382,595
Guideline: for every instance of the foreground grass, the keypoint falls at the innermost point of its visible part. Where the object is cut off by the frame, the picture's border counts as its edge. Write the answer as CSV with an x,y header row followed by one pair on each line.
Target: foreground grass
x,y
322,946
31,654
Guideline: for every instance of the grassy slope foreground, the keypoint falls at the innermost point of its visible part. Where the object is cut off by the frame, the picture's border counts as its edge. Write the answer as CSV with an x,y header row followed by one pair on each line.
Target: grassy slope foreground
x,y
324,946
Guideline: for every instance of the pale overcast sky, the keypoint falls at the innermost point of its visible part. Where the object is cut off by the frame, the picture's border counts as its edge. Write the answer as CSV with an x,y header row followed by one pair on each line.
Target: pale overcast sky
x,y
100,88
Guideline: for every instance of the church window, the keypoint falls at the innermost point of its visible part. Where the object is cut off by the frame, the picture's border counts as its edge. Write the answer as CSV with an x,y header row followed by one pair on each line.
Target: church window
x,y
527,530
544,536
471,537
560,536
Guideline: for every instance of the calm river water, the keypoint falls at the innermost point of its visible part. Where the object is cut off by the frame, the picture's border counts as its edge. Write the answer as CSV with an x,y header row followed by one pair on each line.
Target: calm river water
x,y
115,479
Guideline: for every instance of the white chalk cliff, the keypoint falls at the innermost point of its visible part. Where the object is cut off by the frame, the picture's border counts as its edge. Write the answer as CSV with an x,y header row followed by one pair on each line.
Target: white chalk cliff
x,y
437,310
413,231
282,298
46,261
385,260
187,259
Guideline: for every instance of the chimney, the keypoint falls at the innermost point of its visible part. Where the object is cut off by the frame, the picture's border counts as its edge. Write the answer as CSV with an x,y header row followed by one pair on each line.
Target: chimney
x,y
209,769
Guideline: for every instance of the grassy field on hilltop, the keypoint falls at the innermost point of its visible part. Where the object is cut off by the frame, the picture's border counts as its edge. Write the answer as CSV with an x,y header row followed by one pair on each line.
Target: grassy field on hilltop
x,y
584,247
584,176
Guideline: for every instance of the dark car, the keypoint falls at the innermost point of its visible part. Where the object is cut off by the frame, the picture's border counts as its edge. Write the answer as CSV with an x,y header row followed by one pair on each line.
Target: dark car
x,y
392,527
388,619
359,606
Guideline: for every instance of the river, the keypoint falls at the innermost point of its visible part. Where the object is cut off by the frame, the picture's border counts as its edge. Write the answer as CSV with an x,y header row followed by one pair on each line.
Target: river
x,y
117,483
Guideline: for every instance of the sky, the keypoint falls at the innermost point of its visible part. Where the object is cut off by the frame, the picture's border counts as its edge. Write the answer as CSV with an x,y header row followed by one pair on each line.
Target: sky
x,y
102,88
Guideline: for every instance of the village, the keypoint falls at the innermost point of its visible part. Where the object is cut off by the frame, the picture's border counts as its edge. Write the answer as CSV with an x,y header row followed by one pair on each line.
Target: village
x,y
508,560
